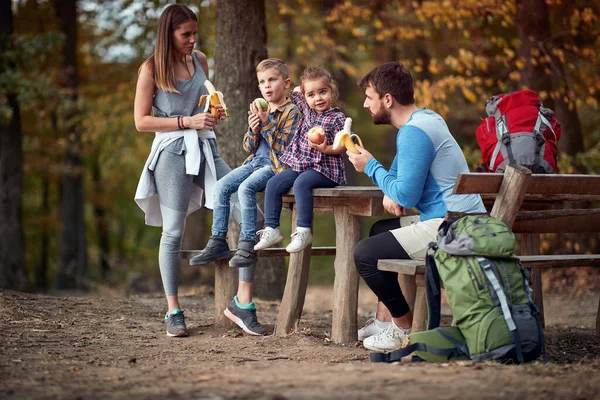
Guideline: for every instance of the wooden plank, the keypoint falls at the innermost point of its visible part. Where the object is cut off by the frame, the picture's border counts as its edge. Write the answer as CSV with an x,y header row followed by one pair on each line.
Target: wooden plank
x,y
226,280
539,184
557,221
408,267
420,313
367,206
413,267
270,252
345,191
561,261
511,194
344,325
529,245
546,198
294,293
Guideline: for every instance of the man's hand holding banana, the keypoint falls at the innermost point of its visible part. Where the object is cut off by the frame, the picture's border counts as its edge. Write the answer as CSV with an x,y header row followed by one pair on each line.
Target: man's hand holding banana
x,y
359,160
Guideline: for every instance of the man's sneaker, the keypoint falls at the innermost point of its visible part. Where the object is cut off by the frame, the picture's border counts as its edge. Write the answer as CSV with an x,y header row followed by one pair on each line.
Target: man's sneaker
x,y
268,237
175,324
388,340
300,240
245,318
245,255
372,327
216,249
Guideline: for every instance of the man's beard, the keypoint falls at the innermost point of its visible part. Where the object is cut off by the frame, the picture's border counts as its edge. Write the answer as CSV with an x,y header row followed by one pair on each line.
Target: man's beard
x,y
383,117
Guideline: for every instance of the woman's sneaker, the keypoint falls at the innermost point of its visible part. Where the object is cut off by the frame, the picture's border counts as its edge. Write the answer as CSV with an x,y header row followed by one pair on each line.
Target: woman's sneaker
x,y
300,240
372,327
244,317
175,324
388,340
268,237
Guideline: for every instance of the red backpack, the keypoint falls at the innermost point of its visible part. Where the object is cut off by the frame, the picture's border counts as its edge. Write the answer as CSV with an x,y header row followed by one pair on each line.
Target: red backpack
x,y
518,130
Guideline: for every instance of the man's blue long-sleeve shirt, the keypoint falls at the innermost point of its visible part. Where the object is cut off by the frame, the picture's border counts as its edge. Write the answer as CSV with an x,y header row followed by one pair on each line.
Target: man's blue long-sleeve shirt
x,y
424,171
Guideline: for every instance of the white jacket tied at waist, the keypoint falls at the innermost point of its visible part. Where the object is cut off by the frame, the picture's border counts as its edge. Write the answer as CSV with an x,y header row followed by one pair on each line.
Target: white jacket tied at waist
x,y
146,195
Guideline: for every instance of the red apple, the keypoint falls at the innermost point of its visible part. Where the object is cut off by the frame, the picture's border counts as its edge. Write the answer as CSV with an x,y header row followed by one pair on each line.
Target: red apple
x,y
316,134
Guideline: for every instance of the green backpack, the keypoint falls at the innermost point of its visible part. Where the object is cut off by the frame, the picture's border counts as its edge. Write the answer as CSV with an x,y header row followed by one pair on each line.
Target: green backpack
x,y
489,295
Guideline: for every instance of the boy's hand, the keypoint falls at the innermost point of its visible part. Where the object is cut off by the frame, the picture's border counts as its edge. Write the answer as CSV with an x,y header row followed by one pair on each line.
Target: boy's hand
x,y
263,115
254,122
320,147
359,160
297,89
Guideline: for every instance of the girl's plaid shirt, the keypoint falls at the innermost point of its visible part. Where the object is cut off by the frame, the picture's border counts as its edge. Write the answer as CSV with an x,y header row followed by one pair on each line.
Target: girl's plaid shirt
x,y
278,131
301,157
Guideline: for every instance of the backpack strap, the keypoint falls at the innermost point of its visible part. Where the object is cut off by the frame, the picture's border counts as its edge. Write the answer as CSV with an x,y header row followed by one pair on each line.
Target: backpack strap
x,y
486,266
540,125
534,308
397,355
433,290
503,139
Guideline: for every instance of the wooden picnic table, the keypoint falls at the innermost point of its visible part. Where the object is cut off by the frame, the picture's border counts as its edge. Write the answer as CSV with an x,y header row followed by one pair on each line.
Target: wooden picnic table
x,y
347,204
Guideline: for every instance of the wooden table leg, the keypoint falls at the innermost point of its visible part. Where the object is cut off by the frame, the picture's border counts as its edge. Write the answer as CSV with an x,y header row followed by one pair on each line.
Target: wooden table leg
x,y
225,287
344,326
294,293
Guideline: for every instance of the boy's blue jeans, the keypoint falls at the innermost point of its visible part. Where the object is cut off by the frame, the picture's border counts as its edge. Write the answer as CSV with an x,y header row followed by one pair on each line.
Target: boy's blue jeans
x,y
246,180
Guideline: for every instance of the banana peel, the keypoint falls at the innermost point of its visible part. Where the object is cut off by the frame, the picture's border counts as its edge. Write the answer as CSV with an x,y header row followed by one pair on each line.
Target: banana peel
x,y
213,98
345,138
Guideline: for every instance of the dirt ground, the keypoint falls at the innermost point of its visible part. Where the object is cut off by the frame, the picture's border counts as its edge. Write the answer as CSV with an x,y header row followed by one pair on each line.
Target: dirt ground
x,y
114,347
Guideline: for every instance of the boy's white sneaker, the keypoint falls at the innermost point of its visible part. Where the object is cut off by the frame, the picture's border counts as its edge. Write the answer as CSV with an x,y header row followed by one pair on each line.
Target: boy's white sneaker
x,y
300,240
388,340
372,327
268,237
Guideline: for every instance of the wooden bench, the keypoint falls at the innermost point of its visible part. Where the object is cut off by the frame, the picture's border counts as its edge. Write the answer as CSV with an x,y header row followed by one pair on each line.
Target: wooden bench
x,y
512,190
226,278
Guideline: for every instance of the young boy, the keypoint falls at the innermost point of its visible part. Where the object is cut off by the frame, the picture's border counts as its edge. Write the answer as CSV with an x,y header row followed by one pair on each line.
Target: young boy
x,y
268,134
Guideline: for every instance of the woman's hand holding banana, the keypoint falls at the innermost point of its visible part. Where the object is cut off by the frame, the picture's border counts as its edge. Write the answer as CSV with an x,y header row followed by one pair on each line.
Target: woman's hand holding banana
x,y
200,121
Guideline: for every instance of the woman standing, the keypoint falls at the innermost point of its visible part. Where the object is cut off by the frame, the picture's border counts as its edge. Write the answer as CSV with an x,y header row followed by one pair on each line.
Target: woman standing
x,y
184,161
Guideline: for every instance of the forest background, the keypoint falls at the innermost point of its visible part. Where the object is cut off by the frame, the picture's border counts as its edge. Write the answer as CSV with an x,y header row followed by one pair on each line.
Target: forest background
x,y
70,156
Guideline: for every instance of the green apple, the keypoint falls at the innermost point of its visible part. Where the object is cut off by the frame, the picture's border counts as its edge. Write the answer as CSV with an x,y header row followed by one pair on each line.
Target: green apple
x,y
261,104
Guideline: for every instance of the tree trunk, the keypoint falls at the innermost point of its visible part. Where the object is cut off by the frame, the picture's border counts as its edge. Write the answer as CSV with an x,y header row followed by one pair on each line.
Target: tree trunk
x,y
241,43
533,26
102,231
72,267
12,248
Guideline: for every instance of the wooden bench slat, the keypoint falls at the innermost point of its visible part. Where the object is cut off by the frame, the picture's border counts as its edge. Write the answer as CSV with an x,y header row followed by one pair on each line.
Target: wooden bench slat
x,y
413,267
539,184
557,221
270,252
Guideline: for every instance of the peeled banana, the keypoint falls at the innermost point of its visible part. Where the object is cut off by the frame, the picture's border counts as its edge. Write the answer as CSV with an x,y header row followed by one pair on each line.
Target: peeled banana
x,y
345,138
213,98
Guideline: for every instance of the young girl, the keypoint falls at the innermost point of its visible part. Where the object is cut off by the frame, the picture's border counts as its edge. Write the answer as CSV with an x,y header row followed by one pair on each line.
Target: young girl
x,y
311,165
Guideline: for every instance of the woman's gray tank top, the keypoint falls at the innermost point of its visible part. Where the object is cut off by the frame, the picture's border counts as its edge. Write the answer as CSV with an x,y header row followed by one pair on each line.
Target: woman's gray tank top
x,y
184,103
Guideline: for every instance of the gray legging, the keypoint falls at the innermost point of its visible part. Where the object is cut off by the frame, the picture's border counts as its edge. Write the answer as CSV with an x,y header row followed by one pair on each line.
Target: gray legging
x,y
174,189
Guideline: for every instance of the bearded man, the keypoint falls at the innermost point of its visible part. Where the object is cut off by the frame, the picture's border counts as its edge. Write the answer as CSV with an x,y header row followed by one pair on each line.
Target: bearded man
x,y
422,175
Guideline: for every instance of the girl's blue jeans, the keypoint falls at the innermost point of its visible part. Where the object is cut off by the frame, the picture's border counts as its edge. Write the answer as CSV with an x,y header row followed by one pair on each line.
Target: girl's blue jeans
x,y
303,184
